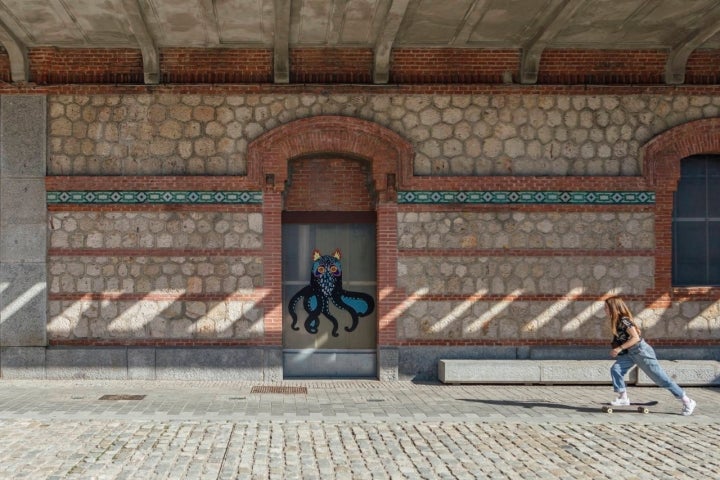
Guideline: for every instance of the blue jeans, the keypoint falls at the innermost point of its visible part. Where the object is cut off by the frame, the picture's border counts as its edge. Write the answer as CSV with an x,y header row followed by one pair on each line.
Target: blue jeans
x,y
642,355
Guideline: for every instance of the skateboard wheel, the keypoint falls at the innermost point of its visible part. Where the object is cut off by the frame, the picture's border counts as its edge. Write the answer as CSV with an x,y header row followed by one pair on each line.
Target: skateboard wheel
x,y
643,410
607,409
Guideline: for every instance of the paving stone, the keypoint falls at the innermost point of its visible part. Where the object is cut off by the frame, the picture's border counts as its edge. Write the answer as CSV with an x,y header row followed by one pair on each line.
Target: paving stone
x,y
61,430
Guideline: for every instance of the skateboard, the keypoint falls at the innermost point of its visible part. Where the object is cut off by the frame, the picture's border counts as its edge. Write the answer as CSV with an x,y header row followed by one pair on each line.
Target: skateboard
x,y
638,407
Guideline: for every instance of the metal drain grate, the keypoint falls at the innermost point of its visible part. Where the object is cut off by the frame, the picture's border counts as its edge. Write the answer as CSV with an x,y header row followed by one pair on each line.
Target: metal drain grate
x,y
122,397
277,389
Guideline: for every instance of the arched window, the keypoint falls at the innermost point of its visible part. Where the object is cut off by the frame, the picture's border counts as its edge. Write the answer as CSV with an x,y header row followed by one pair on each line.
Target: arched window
x,y
696,223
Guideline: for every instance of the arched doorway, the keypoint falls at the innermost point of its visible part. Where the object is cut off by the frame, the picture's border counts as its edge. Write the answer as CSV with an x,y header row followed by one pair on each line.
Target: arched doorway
x,y
330,197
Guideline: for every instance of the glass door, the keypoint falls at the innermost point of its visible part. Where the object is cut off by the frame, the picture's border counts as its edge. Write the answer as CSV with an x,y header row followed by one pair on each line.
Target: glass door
x,y
329,304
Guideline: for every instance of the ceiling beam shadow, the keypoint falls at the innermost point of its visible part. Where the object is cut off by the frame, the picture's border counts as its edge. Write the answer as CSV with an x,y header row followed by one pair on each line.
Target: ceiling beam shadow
x,y
336,22
472,17
281,49
210,20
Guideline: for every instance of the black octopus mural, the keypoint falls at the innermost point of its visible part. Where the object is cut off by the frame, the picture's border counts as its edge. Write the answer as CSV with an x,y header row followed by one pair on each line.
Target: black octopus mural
x,y
325,287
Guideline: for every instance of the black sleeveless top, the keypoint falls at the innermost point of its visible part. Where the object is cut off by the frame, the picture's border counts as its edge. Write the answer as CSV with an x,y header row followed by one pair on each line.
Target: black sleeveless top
x,y
622,334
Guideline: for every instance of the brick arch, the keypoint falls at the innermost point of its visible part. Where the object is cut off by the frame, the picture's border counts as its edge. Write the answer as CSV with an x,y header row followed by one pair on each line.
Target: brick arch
x,y
390,158
661,155
661,167
388,153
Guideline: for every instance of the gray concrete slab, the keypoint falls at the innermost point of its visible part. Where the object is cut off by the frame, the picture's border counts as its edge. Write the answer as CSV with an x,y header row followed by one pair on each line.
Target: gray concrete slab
x,y
23,136
23,304
347,430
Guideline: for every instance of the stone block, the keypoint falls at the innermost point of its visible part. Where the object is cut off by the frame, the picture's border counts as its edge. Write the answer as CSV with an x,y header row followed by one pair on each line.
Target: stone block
x,y
687,373
209,364
23,201
489,371
22,362
23,305
580,372
23,243
22,135
86,363
141,363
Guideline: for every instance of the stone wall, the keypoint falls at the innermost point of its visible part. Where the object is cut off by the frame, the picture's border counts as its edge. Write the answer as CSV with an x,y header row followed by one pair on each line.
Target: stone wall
x,y
164,134
525,230
478,273
154,275
497,275
167,230
177,275
523,255
154,319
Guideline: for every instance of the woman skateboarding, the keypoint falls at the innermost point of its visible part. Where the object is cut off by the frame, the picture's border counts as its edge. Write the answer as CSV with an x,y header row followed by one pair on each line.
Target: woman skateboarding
x,y
630,349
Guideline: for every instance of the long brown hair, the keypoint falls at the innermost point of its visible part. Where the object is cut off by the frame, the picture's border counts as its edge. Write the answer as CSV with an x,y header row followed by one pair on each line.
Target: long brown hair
x,y
618,309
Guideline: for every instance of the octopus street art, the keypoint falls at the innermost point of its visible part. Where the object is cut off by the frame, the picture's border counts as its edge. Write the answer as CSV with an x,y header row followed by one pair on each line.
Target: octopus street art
x,y
325,287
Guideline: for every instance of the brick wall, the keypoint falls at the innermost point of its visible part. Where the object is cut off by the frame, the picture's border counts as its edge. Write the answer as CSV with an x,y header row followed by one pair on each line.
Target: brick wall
x,y
703,68
50,65
56,66
4,66
217,65
328,185
331,65
603,67
446,65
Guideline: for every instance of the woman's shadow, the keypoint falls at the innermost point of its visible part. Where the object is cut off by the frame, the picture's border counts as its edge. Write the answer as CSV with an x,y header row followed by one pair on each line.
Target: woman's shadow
x,y
531,404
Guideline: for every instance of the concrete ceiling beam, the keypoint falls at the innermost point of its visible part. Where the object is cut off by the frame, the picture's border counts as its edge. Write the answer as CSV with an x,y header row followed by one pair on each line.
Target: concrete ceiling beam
x,y
678,57
150,54
551,24
386,39
17,53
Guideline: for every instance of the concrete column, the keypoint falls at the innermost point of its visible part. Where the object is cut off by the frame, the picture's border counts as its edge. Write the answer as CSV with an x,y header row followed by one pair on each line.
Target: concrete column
x,y
23,229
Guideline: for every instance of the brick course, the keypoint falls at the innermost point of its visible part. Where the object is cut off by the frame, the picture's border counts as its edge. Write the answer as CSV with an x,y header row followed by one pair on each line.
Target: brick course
x,y
408,66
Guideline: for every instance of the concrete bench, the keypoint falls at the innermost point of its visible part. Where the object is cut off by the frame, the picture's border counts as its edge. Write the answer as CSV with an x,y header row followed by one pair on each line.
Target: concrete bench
x,y
687,373
597,372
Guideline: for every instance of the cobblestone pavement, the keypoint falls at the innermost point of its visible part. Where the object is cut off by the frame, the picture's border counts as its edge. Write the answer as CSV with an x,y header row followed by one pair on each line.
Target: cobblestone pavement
x,y
348,430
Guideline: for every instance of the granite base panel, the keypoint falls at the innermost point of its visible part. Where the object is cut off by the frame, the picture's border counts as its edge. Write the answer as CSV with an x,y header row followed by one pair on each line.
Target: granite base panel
x,y
699,366
129,363
421,363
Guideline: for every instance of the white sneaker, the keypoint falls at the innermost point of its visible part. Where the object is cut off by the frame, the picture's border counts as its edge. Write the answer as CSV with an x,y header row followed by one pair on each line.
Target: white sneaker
x,y
620,402
689,407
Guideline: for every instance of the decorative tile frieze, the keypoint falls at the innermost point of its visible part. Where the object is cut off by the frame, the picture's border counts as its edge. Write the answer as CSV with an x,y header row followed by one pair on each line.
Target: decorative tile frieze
x,y
528,197
96,197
